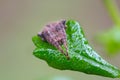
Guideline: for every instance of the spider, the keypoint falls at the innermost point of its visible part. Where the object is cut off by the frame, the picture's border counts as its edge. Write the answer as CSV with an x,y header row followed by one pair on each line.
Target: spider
x,y
54,33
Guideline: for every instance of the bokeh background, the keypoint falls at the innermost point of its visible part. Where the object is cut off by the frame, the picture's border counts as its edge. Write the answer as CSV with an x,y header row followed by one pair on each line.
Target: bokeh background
x,y
22,19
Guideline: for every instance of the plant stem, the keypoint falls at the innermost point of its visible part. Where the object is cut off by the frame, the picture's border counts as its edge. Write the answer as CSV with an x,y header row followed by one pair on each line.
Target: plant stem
x,y
113,11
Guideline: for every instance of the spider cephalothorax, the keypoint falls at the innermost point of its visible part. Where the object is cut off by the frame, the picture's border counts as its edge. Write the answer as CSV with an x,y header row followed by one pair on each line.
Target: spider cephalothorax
x,y
54,33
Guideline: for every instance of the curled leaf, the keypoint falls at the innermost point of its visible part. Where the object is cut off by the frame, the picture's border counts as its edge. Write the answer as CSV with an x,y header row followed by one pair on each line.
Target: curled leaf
x,y
82,57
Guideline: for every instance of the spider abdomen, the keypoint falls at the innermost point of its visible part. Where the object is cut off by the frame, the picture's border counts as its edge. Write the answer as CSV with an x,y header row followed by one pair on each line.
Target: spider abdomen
x,y
54,33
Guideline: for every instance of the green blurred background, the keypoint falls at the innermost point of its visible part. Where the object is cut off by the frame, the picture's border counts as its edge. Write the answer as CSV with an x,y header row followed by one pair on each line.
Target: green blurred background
x,y
22,19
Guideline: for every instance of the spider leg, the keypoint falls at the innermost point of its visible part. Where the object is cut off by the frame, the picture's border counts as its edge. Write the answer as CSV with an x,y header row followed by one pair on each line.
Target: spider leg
x,y
57,45
63,23
53,40
66,48
60,42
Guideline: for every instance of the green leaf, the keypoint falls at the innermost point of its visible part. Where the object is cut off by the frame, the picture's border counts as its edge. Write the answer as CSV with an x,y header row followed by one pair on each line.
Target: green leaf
x,y
110,40
82,57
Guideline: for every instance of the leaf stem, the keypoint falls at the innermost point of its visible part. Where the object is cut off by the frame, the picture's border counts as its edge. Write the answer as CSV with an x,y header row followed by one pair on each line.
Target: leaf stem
x,y
113,11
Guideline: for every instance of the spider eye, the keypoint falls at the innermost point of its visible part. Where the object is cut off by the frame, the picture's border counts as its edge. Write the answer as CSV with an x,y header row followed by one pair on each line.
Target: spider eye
x,y
40,35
